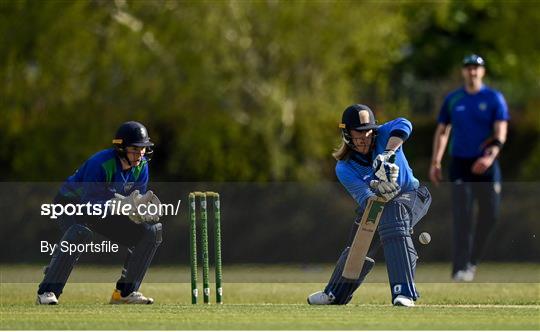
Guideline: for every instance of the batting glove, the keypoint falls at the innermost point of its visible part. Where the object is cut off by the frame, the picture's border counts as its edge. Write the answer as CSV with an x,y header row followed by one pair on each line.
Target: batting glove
x,y
386,190
384,167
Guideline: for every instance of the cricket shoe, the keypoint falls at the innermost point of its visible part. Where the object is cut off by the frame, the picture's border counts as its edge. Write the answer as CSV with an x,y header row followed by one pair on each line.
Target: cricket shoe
x,y
472,270
47,298
320,298
403,301
133,298
464,275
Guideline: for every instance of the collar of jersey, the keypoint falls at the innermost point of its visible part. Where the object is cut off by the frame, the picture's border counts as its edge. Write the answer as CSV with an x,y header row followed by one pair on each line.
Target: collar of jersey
x,y
362,159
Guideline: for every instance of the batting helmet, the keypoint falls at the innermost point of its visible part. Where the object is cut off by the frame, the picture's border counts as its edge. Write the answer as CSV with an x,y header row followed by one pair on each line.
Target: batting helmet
x,y
356,117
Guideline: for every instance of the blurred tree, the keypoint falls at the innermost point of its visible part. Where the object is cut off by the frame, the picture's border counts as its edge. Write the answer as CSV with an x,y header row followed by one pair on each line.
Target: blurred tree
x,y
239,90
234,90
252,90
443,32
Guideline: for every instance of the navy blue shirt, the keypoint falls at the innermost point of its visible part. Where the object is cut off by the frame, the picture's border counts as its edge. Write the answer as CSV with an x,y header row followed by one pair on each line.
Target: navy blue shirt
x,y
472,117
101,176
356,176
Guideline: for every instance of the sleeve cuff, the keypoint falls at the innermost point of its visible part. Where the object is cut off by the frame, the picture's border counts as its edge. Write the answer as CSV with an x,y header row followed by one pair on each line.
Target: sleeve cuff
x,y
400,134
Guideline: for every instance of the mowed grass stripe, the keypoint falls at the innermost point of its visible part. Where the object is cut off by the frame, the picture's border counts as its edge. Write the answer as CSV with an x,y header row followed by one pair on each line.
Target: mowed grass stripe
x,y
269,317
277,306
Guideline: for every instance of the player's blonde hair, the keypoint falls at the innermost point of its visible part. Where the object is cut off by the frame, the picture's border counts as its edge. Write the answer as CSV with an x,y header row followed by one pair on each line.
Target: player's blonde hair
x,y
342,152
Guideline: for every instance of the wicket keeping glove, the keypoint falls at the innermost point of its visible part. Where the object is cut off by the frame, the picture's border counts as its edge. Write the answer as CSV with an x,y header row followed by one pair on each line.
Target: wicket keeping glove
x,y
149,198
130,201
139,214
384,168
386,190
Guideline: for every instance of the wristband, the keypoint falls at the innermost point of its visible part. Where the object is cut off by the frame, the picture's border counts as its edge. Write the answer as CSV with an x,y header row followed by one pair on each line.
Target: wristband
x,y
496,142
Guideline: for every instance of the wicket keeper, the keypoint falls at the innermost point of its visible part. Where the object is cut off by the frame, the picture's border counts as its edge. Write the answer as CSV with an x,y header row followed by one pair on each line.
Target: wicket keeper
x,y
365,168
121,174
475,118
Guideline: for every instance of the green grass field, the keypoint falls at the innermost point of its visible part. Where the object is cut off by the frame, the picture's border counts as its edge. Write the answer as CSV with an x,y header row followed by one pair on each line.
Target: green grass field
x,y
507,297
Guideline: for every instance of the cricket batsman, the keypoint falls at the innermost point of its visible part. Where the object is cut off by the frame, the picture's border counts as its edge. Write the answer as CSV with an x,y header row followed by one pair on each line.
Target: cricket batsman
x,y
119,175
371,161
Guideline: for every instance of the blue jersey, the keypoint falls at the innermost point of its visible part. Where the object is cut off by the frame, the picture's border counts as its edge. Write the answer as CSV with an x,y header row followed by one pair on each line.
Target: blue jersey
x,y
472,117
356,175
101,176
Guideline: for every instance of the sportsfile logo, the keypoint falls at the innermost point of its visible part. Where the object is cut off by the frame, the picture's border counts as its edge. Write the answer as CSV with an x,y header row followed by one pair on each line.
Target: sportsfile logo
x,y
74,248
109,208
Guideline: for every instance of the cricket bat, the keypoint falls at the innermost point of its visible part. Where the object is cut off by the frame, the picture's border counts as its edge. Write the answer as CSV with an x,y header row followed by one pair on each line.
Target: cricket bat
x,y
362,239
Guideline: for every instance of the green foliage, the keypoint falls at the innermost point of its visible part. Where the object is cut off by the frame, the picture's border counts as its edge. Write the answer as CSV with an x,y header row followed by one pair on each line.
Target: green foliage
x,y
235,90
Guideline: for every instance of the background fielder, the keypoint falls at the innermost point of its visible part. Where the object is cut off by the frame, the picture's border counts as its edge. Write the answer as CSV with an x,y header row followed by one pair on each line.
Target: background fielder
x,y
475,118
120,172
364,169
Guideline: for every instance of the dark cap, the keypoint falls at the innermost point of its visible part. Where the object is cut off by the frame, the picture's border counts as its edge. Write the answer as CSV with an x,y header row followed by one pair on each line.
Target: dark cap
x,y
358,117
473,60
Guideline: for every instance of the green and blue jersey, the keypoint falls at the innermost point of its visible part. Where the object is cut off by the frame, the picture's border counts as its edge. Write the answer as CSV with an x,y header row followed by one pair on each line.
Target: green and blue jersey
x,y
356,172
472,117
101,176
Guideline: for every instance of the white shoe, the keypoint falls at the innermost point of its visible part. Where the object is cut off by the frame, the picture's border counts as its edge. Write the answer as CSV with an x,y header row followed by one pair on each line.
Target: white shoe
x,y
47,298
403,301
464,275
320,298
133,298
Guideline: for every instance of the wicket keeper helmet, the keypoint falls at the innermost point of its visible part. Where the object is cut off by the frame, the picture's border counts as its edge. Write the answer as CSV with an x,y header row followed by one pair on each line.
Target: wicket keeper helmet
x,y
356,117
132,133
